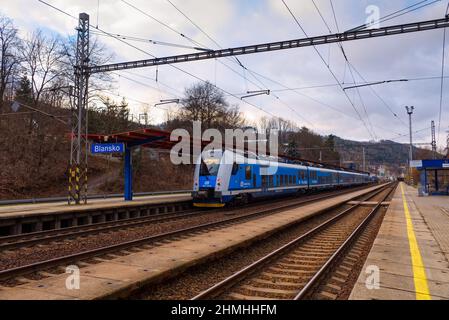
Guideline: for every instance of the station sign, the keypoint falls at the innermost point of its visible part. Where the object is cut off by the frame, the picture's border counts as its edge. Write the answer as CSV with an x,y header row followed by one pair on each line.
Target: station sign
x,y
98,148
416,164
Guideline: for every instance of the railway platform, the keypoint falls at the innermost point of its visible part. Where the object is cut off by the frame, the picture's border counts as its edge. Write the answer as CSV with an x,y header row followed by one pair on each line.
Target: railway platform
x,y
25,218
121,275
411,252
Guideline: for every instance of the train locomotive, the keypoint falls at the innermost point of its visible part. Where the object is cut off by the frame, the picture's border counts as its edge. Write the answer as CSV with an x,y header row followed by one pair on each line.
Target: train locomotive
x,y
227,177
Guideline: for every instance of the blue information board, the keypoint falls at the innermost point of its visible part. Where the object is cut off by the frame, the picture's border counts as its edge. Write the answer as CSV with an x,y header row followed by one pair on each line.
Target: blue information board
x,y
107,148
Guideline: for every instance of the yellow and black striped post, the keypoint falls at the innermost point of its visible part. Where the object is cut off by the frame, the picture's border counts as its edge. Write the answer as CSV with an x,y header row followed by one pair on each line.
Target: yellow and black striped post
x,y
76,183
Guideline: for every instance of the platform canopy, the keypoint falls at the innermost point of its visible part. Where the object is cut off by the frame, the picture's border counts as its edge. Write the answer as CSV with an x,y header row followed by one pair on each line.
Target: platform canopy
x,y
148,138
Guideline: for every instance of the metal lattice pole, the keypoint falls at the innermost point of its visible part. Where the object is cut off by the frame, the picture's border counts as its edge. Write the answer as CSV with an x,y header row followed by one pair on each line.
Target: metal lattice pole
x,y
410,113
79,145
434,141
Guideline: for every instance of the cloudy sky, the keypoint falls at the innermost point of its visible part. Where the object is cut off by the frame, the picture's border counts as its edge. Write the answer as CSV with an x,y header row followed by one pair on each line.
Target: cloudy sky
x,y
318,101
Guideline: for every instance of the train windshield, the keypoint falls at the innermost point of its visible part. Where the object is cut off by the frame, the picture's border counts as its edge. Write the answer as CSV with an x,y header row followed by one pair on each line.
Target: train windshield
x,y
209,167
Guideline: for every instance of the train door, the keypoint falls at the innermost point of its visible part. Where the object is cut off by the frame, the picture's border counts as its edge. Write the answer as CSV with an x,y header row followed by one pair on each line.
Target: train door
x,y
308,178
264,182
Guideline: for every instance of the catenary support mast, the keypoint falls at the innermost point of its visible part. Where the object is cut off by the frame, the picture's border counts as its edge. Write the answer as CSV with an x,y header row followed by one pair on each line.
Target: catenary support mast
x,y
78,152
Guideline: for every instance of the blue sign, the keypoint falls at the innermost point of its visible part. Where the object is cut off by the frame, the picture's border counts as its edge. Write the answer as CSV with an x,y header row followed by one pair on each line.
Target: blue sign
x,y
107,148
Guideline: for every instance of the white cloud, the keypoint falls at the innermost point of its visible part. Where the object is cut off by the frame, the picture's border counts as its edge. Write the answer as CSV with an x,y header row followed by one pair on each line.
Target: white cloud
x,y
239,22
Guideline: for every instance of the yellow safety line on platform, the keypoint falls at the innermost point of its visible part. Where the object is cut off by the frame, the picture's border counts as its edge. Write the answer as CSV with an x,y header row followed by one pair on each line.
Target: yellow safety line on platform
x,y
419,272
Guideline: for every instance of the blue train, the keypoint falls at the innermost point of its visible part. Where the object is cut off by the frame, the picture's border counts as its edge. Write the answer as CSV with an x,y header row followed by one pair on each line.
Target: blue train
x,y
223,176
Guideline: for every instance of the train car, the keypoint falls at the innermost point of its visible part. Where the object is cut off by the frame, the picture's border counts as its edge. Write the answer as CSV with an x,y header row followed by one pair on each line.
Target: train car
x,y
223,176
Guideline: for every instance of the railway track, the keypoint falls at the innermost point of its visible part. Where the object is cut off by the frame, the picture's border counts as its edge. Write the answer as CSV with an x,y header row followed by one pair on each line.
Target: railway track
x,y
7,276
314,265
28,239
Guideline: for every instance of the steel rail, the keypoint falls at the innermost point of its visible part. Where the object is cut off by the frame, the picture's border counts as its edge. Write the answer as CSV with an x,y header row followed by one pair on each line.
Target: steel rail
x,y
42,265
27,239
313,282
237,277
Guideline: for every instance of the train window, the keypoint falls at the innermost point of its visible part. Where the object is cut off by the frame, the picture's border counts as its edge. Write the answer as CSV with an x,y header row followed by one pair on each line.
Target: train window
x,y
209,167
290,180
254,181
294,180
286,180
248,173
235,169
271,181
282,180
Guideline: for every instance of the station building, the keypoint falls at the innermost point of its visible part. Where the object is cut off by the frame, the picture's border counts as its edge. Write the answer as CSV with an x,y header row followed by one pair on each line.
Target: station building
x,y
434,176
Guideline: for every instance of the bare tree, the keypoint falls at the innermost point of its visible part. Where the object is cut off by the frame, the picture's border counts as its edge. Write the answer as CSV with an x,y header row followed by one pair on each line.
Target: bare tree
x,y
99,83
43,58
9,60
206,103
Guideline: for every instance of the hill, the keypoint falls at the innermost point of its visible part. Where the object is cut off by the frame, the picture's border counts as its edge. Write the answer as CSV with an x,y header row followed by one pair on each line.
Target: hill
x,y
380,157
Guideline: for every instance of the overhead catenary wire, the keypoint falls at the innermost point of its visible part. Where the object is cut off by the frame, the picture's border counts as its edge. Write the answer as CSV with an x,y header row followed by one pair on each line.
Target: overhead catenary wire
x,y
395,14
382,99
330,70
197,77
442,82
391,16
217,44
324,104
352,67
358,83
151,41
348,67
244,68
153,56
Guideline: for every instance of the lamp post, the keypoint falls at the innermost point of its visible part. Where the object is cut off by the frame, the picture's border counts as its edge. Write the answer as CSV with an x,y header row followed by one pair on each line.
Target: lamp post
x,y
410,113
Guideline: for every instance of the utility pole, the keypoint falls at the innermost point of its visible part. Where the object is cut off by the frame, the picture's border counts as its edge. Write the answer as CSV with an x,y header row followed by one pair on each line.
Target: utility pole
x,y
363,156
410,113
79,146
434,141
447,145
